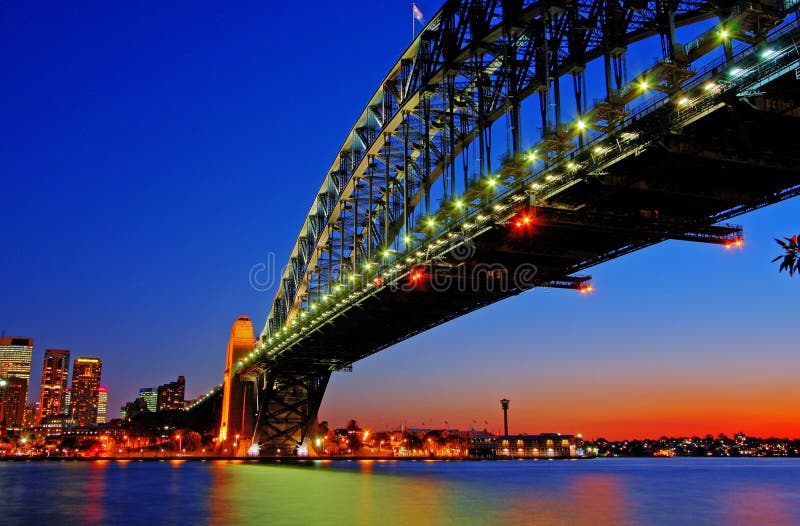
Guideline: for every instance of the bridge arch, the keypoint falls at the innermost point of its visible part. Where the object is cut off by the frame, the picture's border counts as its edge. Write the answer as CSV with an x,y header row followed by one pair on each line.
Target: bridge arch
x,y
376,217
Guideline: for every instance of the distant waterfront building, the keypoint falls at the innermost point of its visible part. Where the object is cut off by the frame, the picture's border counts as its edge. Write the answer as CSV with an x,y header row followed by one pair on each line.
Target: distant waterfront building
x,y
170,396
55,371
123,414
13,392
85,390
102,404
545,445
137,407
15,357
150,396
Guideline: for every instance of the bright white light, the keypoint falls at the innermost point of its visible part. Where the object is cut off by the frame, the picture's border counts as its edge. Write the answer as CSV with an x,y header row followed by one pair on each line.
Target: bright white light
x,y
735,72
253,450
767,52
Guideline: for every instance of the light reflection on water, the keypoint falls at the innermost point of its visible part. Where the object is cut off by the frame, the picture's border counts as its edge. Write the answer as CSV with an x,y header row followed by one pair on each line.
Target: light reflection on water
x,y
603,491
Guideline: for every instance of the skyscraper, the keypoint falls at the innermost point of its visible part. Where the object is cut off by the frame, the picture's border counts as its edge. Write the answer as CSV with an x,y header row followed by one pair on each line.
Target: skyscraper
x,y
13,392
84,393
15,362
102,404
55,372
15,357
150,396
170,396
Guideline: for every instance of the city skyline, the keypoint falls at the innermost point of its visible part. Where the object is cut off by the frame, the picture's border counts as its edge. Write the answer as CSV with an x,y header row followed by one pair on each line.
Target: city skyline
x,y
152,266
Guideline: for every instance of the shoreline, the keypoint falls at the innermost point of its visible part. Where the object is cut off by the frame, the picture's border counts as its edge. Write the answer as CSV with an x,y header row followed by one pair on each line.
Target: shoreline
x,y
267,460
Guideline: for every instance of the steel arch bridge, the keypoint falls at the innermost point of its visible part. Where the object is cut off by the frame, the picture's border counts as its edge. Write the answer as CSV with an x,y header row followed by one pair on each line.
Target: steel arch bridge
x,y
478,169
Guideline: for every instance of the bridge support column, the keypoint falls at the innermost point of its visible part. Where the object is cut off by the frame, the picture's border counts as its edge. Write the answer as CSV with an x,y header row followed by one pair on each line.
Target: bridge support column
x,y
287,416
234,424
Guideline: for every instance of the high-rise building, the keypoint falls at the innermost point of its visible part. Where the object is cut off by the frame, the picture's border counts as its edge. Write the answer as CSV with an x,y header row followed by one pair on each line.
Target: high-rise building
x,y
84,392
15,357
150,396
170,396
102,404
13,392
55,371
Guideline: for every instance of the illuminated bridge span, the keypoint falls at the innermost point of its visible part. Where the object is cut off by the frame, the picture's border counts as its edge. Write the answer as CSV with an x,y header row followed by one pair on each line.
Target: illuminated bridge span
x,y
509,148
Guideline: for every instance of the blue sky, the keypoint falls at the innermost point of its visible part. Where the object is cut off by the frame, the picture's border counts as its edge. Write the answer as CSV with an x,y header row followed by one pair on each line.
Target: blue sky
x,y
151,154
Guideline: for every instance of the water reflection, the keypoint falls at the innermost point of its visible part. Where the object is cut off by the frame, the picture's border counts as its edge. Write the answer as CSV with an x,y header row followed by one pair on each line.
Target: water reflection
x,y
603,491
93,496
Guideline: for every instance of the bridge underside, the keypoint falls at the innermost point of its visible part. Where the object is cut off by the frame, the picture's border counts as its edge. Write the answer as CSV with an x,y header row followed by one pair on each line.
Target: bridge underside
x,y
735,160
678,189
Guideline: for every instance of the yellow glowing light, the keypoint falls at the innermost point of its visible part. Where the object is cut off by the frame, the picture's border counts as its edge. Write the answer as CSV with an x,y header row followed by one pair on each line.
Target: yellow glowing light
x,y
643,85
683,101
431,222
724,34
532,156
491,181
580,124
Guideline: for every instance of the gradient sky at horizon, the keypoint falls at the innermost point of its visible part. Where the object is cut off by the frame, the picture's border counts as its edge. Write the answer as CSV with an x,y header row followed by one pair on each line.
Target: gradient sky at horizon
x,y
150,155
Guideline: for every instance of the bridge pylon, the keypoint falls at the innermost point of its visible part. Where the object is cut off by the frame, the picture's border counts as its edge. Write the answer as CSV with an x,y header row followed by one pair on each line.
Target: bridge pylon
x,y
288,402
236,423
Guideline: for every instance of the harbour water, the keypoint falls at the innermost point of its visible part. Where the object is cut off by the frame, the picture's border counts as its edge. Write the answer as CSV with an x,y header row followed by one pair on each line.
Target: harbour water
x,y
601,491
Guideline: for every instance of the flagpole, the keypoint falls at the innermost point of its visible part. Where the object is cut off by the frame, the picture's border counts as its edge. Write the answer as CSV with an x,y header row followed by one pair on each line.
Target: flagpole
x,y
413,25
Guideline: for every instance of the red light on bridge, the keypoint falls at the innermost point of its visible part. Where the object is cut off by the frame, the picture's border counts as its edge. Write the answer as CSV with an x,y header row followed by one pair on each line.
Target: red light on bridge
x,y
522,222
417,276
586,289
734,243
379,281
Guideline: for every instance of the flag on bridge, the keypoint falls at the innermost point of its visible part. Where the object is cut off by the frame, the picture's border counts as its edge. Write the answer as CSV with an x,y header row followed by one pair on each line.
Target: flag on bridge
x,y
416,12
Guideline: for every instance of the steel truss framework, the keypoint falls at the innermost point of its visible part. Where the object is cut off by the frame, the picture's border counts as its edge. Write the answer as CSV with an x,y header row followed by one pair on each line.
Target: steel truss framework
x,y
288,410
427,133
473,63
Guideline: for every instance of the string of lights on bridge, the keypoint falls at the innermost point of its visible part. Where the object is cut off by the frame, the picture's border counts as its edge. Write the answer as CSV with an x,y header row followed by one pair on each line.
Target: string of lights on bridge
x,y
486,204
